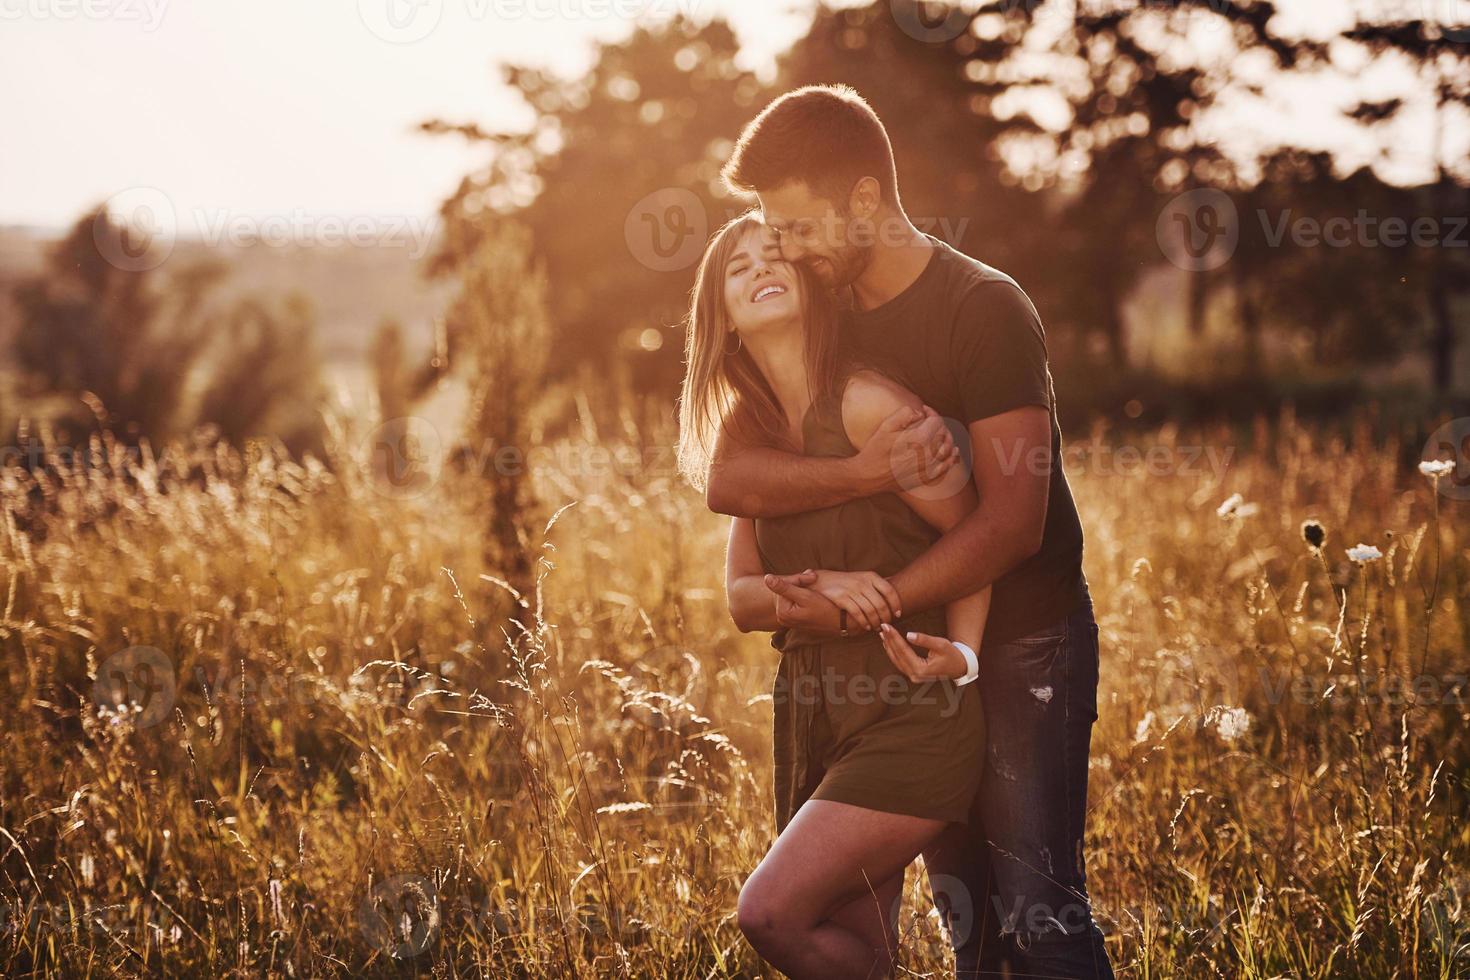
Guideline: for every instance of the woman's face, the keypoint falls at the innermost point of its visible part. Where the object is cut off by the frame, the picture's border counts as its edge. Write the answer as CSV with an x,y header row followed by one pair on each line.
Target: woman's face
x,y
761,290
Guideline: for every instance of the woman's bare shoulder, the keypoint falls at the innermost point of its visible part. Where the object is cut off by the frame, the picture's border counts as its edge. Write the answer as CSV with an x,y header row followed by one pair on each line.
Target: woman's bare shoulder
x,y
870,398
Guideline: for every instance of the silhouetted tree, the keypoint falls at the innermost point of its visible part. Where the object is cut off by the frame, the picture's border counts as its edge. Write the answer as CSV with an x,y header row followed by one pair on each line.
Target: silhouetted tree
x,y
1443,64
657,112
122,347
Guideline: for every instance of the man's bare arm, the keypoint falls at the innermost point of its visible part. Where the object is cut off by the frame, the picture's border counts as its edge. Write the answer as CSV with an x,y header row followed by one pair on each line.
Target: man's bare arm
x,y
910,448
1005,529
767,602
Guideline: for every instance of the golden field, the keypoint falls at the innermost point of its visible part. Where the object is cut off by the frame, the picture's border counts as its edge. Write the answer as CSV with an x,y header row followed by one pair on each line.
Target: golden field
x,y
355,753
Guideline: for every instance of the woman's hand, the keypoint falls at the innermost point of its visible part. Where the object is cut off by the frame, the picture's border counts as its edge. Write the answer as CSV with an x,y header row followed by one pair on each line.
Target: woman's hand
x,y
944,660
867,597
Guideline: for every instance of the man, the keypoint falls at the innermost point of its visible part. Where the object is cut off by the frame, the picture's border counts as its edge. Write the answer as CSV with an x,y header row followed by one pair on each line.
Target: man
x,y
967,340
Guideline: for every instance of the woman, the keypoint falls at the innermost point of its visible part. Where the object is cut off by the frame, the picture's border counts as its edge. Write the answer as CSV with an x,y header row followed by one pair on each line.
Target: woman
x,y
870,766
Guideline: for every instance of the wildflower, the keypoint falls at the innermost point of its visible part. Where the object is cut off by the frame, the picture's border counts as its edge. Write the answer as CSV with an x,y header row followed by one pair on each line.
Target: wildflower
x,y
1140,733
1436,468
624,807
1364,553
1235,506
1314,534
1230,723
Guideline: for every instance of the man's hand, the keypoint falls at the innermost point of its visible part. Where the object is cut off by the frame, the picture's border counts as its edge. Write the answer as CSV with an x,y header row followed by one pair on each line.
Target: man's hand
x,y
797,604
866,596
944,659
912,448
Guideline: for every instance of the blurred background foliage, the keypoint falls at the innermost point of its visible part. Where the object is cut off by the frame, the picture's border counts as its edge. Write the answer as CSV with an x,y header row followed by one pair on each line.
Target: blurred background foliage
x,y
1043,138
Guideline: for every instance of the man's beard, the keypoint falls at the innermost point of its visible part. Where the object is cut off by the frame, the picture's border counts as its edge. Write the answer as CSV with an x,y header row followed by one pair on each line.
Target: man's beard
x,y
847,265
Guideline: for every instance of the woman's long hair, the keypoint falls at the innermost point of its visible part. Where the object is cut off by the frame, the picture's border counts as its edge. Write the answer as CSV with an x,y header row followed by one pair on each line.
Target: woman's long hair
x,y
728,389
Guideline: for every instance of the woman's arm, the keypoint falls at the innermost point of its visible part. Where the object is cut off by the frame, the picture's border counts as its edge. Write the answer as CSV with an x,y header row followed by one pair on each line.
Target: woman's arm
x,y
754,606
758,481
869,398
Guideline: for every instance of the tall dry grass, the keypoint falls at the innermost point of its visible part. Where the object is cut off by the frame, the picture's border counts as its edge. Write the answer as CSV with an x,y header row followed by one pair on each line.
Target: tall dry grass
x,y
355,753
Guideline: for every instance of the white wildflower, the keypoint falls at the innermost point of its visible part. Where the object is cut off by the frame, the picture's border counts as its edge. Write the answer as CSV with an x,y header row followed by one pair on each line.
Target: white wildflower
x,y
624,807
1236,507
1364,553
1436,468
1140,733
1230,723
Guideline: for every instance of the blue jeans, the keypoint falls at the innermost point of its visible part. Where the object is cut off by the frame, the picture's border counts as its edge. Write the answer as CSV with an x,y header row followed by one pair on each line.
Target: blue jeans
x,y
1012,884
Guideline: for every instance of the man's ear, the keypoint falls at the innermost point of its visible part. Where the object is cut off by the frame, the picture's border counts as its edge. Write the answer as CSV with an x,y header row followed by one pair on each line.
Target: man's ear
x,y
865,199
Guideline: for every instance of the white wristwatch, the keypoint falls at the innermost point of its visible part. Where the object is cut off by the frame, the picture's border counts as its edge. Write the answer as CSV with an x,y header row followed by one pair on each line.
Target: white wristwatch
x,y
972,664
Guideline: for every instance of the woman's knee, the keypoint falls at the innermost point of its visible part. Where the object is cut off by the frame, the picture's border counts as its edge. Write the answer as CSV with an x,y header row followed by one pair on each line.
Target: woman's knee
x,y
760,912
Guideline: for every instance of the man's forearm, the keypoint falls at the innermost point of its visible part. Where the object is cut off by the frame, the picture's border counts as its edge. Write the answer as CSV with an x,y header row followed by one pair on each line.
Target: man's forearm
x,y
972,555
764,482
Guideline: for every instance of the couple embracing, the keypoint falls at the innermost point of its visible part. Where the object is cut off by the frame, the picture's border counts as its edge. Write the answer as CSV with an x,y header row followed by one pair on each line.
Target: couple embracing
x,y
938,676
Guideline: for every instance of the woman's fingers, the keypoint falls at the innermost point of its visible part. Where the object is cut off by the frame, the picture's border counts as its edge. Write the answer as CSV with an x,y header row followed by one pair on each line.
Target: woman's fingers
x,y
879,604
889,593
855,611
936,643
874,616
909,663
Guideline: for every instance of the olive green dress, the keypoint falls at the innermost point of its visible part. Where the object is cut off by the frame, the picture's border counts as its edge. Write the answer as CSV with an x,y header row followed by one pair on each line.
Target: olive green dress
x,y
848,726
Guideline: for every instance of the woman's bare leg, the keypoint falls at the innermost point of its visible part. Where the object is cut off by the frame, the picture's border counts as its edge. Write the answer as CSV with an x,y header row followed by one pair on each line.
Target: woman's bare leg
x,y
829,855
872,917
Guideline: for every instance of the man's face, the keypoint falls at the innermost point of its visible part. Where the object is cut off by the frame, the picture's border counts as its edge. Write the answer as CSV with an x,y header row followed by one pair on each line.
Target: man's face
x,y
813,232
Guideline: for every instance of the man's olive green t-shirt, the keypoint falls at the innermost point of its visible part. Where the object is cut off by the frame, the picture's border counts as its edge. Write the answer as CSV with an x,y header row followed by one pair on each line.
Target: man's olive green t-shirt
x,y
968,341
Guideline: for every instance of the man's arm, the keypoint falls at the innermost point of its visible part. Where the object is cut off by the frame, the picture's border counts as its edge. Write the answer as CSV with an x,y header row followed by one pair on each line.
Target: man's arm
x,y
910,447
1012,454
763,602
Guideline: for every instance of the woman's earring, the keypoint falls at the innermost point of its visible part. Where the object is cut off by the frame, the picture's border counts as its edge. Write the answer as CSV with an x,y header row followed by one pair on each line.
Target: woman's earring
x,y
738,343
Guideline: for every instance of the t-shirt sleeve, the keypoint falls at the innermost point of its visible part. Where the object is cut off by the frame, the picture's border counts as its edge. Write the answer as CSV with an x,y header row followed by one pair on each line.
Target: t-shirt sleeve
x,y
999,352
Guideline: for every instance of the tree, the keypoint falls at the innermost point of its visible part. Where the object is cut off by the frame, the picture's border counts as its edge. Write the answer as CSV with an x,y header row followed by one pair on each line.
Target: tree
x,y
657,113
1442,63
123,348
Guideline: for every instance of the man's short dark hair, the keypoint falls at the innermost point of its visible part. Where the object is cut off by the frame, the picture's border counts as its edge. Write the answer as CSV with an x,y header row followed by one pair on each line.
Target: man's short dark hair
x,y
826,136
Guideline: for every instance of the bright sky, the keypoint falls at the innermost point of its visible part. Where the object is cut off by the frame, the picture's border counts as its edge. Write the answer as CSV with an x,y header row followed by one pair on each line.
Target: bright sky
x,y
274,107
270,106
